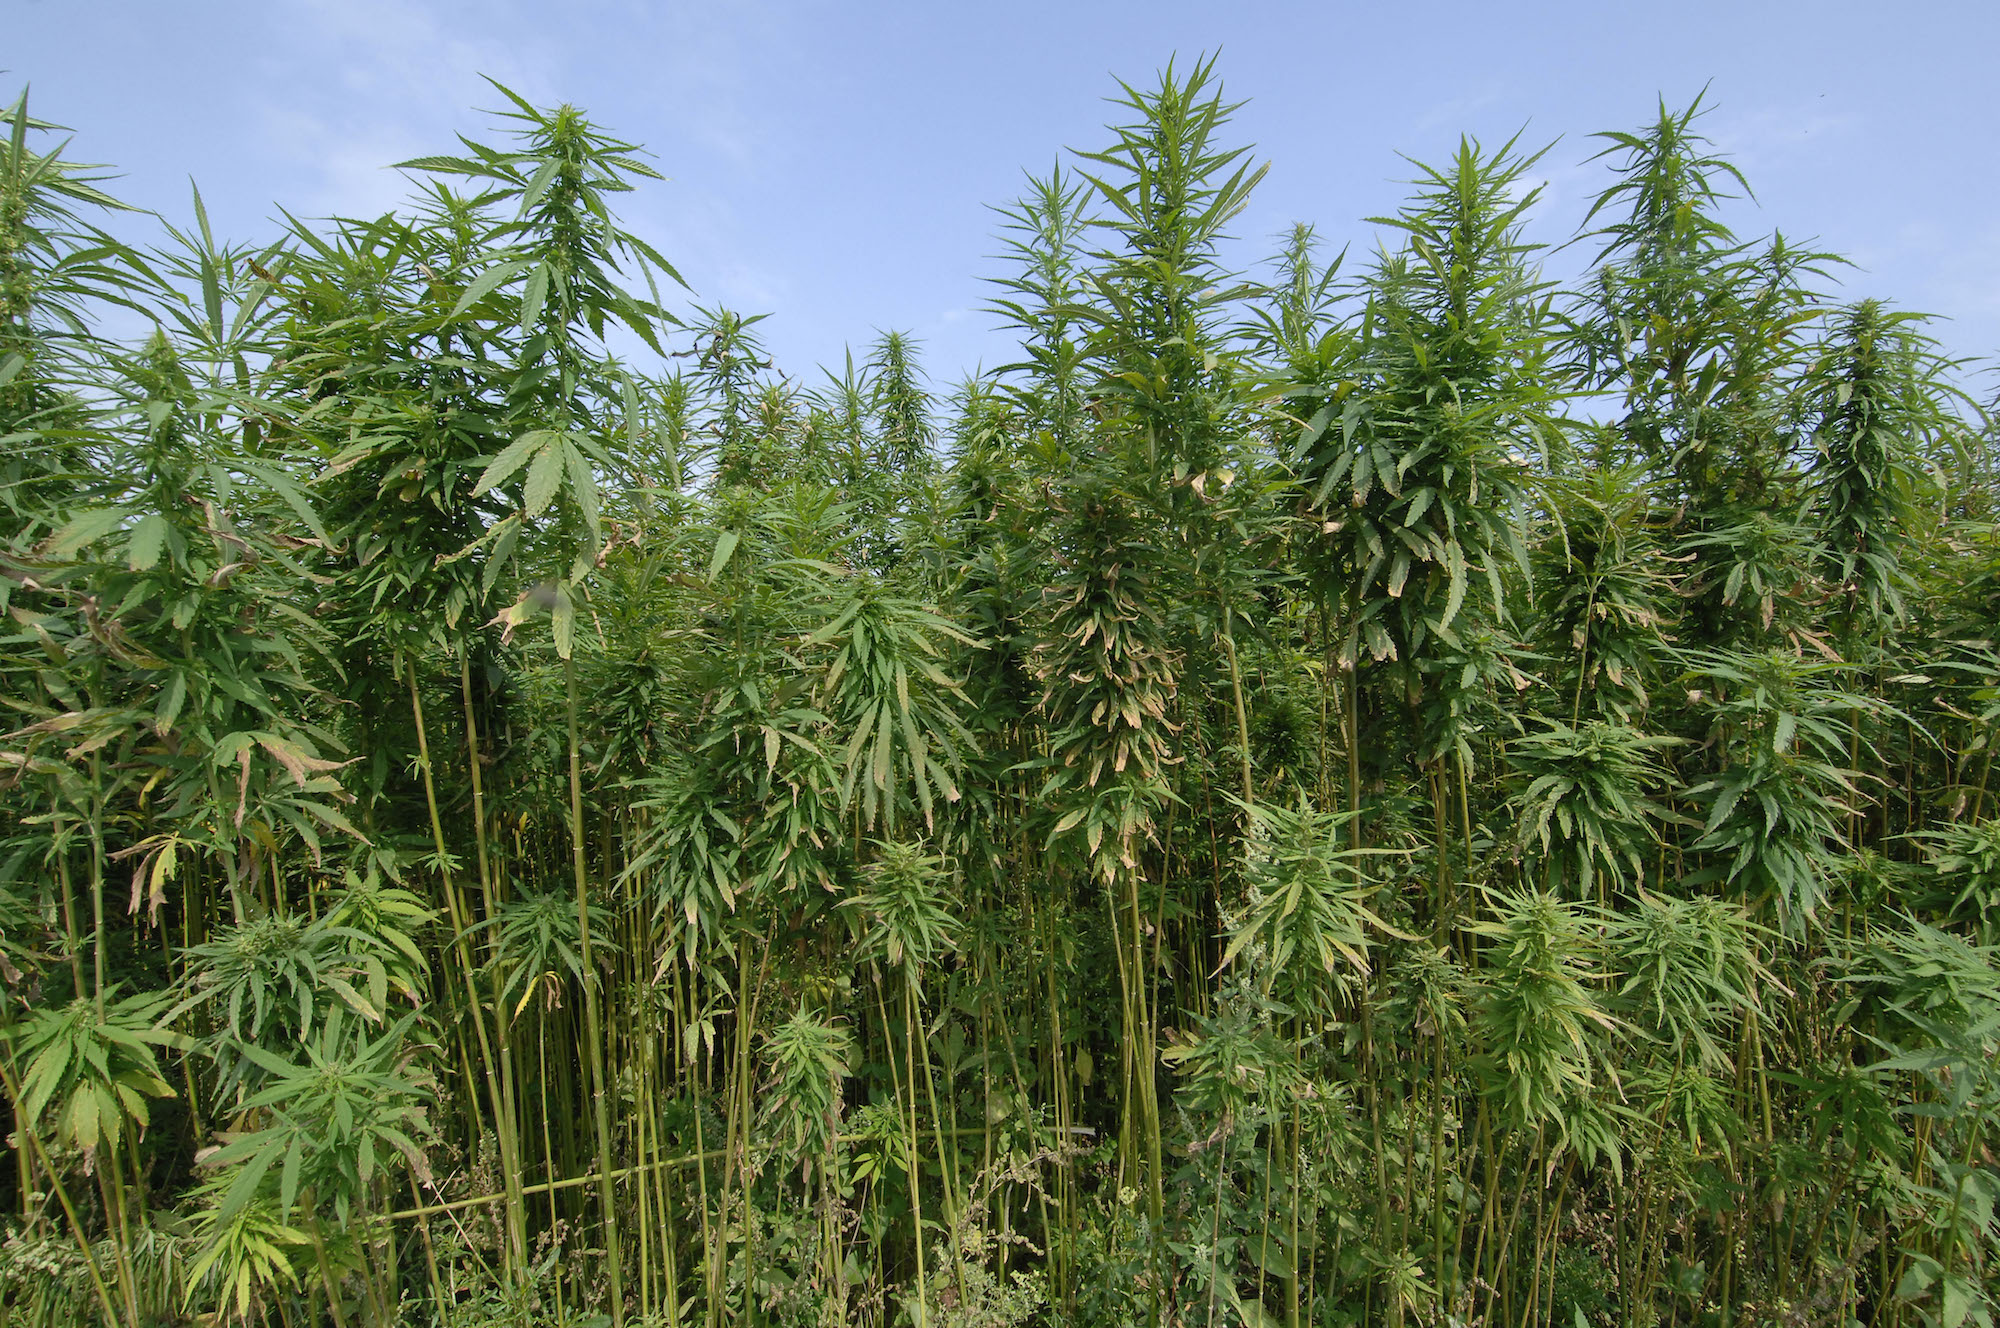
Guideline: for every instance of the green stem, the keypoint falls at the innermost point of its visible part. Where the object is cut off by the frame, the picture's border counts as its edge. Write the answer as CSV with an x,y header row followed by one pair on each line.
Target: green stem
x,y
600,1114
34,1142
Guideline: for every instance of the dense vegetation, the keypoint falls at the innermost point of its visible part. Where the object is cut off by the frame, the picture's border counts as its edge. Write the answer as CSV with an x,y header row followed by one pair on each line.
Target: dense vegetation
x,y
1392,795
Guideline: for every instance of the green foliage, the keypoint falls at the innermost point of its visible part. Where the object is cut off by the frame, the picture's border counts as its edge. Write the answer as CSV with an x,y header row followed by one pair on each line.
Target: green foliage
x,y
1691,972
92,1067
1306,907
808,1060
1967,861
270,982
1586,806
354,1106
537,948
903,882
1605,593
1540,1022
244,1257
1171,190
1881,414
909,921
1427,457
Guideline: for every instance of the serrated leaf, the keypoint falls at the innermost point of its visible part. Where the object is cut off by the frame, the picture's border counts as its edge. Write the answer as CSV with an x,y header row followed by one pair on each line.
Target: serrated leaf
x,y
293,497
534,297
544,476
563,620
149,537
583,487
725,545
83,530
355,1000
516,455
485,283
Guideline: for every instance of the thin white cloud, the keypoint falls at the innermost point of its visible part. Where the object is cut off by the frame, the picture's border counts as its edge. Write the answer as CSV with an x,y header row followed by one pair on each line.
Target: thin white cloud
x,y
1770,135
403,84
1454,113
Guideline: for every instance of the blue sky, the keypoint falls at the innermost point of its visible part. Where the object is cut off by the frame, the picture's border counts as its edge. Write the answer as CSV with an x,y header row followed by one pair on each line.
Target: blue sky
x,y
833,164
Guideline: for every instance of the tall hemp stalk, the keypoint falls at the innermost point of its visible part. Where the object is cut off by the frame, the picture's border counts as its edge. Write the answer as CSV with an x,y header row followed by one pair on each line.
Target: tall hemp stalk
x,y
1436,793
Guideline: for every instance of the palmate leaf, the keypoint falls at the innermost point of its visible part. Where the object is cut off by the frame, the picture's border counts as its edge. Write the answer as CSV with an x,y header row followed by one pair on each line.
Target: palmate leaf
x,y
331,1117
95,1073
536,938
898,710
242,1257
1588,802
1308,900
1539,1020
487,282
511,459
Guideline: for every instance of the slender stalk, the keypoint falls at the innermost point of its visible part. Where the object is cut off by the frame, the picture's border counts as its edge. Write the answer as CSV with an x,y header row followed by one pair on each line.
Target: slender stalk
x,y
600,1113
34,1141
